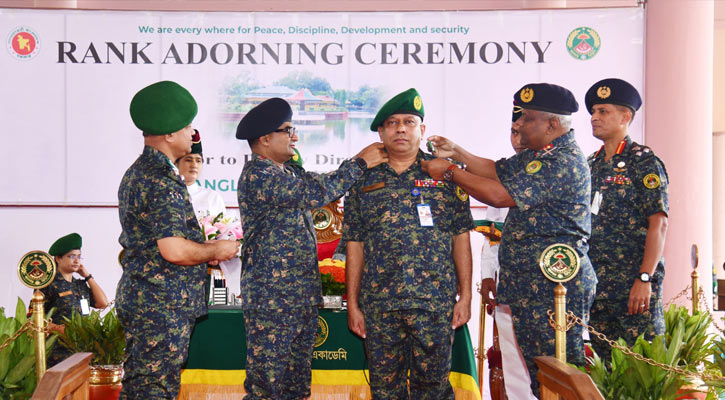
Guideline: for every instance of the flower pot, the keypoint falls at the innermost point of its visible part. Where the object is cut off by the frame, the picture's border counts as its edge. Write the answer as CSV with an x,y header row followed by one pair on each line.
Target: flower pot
x,y
105,382
692,393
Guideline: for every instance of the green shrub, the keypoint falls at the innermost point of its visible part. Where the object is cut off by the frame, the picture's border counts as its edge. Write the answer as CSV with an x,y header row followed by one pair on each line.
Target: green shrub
x,y
17,360
102,336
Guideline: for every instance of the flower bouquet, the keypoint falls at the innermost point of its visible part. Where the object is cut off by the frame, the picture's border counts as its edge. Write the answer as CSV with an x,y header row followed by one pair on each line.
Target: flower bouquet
x,y
221,227
332,273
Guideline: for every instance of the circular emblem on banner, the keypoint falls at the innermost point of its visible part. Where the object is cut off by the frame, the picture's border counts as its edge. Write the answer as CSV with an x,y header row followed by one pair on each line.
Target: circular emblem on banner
x,y
533,167
651,181
559,262
36,269
583,43
322,331
603,92
23,43
417,103
527,94
462,195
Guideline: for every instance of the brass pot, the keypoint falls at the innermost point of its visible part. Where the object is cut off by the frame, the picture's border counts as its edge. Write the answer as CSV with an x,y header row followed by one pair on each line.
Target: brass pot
x,y
106,374
105,382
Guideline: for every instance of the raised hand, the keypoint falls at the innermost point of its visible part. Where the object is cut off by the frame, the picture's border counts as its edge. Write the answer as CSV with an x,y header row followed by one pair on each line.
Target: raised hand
x,y
373,154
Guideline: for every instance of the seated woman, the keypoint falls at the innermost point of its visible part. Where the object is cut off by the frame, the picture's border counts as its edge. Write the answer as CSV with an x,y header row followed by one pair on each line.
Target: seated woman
x,y
66,293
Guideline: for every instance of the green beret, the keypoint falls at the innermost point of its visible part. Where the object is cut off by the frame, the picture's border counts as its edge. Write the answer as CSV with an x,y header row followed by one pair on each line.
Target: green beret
x,y
196,143
264,118
162,108
65,244
613,91
546,97
408,102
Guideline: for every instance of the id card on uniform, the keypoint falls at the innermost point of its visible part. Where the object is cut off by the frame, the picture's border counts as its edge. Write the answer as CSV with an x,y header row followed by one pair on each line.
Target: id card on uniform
x,y
85,308
596,202
425,215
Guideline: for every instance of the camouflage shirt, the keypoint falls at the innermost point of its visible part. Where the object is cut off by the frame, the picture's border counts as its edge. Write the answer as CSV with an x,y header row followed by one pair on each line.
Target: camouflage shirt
x,y
279,254
153,204
633,187
551,188
406,265
66,296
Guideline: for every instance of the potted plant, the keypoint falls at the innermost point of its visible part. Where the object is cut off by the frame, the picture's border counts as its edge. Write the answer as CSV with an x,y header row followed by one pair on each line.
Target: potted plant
x,y
17,359
103,336
686,345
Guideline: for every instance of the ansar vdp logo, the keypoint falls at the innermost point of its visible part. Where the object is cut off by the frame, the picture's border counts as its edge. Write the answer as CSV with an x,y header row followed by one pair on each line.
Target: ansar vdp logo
x,y
23,43
583,43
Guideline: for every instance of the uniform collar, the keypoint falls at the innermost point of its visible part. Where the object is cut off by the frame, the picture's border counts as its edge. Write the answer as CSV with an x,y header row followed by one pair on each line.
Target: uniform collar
x,y
562,140
159,158
415,165
623,145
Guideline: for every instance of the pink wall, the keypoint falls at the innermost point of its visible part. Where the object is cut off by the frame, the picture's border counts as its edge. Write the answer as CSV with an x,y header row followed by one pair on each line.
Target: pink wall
x,y
678,127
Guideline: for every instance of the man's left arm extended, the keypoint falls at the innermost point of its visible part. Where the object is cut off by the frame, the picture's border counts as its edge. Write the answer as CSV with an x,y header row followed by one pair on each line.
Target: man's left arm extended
x,y
463,261
654,246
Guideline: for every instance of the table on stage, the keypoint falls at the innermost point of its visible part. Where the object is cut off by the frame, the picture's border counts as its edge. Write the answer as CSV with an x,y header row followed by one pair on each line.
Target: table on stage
x,y
217,352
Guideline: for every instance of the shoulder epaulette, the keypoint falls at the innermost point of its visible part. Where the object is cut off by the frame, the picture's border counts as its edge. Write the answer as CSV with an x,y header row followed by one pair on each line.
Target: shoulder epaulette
x,y
640,153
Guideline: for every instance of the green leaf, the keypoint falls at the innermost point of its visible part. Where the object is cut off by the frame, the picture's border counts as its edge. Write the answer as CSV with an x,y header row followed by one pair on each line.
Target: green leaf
x,y
21,369
21,312
5,357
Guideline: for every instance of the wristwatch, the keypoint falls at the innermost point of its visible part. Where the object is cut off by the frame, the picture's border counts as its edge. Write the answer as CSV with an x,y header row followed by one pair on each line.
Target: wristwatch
x,y
448,173
644,277
88,277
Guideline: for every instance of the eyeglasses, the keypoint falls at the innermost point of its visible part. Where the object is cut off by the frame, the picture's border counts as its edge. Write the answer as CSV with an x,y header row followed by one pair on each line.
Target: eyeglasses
x,y
290,130
74,256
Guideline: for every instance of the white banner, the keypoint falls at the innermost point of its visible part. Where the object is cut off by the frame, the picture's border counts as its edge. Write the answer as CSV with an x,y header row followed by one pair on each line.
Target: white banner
x,y
68,78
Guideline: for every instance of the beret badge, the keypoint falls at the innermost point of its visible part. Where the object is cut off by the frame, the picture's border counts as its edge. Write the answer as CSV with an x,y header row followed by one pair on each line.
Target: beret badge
x,y
527,94
603,92
417,103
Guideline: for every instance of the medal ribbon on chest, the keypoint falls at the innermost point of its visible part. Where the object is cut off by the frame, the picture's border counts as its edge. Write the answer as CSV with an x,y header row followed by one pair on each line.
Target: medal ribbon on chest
x,y
429,183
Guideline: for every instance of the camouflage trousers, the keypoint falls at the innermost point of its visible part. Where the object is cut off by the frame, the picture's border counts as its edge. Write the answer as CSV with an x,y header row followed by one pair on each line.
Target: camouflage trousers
x,y
530,297
416,340
609,316
157,343
279,353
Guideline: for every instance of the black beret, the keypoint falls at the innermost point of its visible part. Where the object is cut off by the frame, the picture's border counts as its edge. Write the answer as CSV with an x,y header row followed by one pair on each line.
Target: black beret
x,y
162,108
515,112
196,143
264,118
408,102
546,97
65,244
613,91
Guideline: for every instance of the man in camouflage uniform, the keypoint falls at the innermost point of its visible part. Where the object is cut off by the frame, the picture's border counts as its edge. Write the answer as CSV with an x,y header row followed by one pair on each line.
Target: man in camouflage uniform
x,y
629,221
547,187
408,255
280,282
160,293
67,294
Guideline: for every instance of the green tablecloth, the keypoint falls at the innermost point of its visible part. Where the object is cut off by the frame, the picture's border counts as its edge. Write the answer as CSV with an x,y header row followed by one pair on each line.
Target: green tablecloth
x,y
218,344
